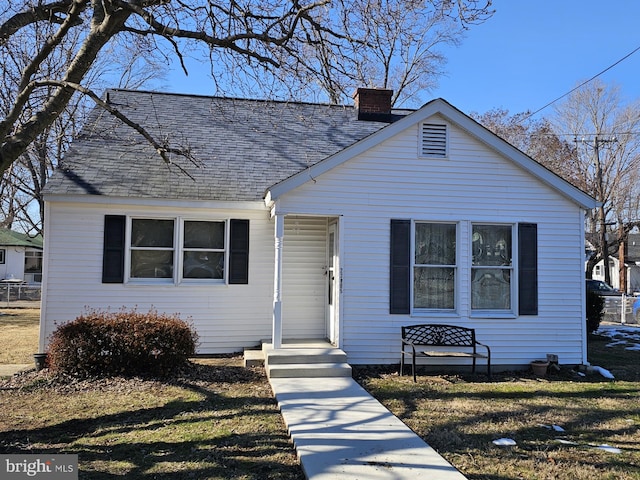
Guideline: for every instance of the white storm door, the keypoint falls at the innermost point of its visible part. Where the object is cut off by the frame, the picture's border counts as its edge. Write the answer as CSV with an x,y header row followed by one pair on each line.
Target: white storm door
x,y
333,279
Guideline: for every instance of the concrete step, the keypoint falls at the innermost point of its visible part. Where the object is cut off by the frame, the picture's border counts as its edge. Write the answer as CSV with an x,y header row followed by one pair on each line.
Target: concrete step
x,y
305,355
309,370
253,358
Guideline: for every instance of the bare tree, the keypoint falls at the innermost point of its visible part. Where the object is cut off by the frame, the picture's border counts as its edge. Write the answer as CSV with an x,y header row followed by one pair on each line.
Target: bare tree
x,y
400,42
56,55
21,202
538,139
261,31
381,43
605,129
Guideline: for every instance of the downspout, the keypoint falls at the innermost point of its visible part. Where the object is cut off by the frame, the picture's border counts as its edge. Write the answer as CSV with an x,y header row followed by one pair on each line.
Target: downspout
x,y
583,294
45,281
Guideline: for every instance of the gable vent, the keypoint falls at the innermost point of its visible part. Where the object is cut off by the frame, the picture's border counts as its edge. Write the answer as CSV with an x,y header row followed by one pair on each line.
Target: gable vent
x,y
434,140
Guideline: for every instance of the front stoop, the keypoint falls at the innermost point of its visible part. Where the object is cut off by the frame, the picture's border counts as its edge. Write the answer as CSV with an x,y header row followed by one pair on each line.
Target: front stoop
x,y
301,361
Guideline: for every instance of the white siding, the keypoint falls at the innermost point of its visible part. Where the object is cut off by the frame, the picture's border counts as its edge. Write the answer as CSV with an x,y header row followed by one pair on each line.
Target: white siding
x,y
474,184
303,273
13,266
227,317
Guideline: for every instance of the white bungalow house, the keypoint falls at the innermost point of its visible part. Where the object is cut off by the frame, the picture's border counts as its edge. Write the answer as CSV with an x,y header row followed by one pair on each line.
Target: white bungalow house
x,y
20,257
309,221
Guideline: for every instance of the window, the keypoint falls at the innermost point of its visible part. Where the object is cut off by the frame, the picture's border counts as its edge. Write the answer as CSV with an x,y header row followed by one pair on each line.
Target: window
x,y
33,261
434,270
33,266
433,140
2,254
426,268
153,252
203,252
175,250
491,267
152,248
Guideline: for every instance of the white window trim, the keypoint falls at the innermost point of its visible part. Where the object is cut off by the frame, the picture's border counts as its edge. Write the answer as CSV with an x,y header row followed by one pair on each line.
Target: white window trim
x,y
438,312
497,313
464,260
3,256
178,249
199,281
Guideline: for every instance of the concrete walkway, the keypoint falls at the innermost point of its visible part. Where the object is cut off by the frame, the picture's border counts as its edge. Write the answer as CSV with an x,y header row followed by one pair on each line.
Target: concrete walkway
x,y
342,433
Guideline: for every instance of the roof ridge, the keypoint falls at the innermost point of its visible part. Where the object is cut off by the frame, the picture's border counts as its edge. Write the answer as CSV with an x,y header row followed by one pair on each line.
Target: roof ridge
x,y
219,97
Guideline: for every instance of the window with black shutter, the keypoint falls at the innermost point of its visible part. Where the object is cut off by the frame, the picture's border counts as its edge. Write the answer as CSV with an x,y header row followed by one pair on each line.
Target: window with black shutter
x,y
432,264
528,268
175,250
113,249
239,252
400,264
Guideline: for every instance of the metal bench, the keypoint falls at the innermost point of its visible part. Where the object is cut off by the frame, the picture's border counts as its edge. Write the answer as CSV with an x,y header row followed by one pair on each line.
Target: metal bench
x,y
434,335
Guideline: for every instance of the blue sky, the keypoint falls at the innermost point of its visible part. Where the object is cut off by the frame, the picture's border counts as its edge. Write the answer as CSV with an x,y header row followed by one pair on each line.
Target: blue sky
x,y
525,56
531,52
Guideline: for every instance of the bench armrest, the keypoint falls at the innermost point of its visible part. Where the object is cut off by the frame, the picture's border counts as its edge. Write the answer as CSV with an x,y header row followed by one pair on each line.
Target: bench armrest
x,y
485,346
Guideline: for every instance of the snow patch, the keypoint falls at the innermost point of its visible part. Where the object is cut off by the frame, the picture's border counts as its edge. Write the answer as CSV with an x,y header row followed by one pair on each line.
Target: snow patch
x,y
504,442
608,448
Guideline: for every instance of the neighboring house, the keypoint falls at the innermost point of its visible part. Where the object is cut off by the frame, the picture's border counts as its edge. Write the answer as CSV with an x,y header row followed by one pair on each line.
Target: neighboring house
x,y
631,263
20,257
308,221
614,272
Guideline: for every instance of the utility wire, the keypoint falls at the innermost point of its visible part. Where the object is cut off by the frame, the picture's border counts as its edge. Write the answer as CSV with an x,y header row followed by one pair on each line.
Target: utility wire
x,y
583,83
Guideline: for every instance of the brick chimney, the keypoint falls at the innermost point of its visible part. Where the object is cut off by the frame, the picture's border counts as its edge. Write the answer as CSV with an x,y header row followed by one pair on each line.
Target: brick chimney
x,y
373,104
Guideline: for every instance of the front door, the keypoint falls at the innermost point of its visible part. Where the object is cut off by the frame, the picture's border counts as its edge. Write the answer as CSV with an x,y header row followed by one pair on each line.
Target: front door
x,y
333,281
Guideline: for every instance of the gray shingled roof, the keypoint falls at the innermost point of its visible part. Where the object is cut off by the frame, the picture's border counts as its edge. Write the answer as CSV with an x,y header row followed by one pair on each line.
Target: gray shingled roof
x,y
243,147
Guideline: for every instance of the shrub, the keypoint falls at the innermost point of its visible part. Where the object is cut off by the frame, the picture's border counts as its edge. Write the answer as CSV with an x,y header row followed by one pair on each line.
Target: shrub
x,y
127,342
595,310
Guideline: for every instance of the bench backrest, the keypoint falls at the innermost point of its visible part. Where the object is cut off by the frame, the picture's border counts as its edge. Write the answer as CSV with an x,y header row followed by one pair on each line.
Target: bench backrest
x,y
440,335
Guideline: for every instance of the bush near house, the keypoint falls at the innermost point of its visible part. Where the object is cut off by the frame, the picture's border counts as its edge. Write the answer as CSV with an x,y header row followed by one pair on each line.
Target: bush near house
x,y
127,343
595,310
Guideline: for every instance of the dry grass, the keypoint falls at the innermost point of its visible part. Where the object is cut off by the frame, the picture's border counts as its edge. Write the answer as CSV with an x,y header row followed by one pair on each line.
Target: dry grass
x,y
19,330
216,420
219,420
461,416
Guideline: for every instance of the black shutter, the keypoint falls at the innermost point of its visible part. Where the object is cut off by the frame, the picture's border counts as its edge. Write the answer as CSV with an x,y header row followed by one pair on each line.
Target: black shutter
x,y
239,251
399,288
528,268
113,249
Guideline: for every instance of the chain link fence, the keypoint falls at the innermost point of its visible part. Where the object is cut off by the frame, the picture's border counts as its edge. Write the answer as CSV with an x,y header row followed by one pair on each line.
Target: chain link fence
x,y
19,292
619,309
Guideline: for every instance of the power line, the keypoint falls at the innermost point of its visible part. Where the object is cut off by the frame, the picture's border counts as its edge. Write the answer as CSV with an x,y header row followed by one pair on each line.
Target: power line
x,y
584,83
553,134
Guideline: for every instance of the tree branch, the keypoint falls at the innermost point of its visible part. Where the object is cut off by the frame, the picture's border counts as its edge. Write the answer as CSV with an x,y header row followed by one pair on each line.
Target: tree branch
x,y
48,12
162,149
293,17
